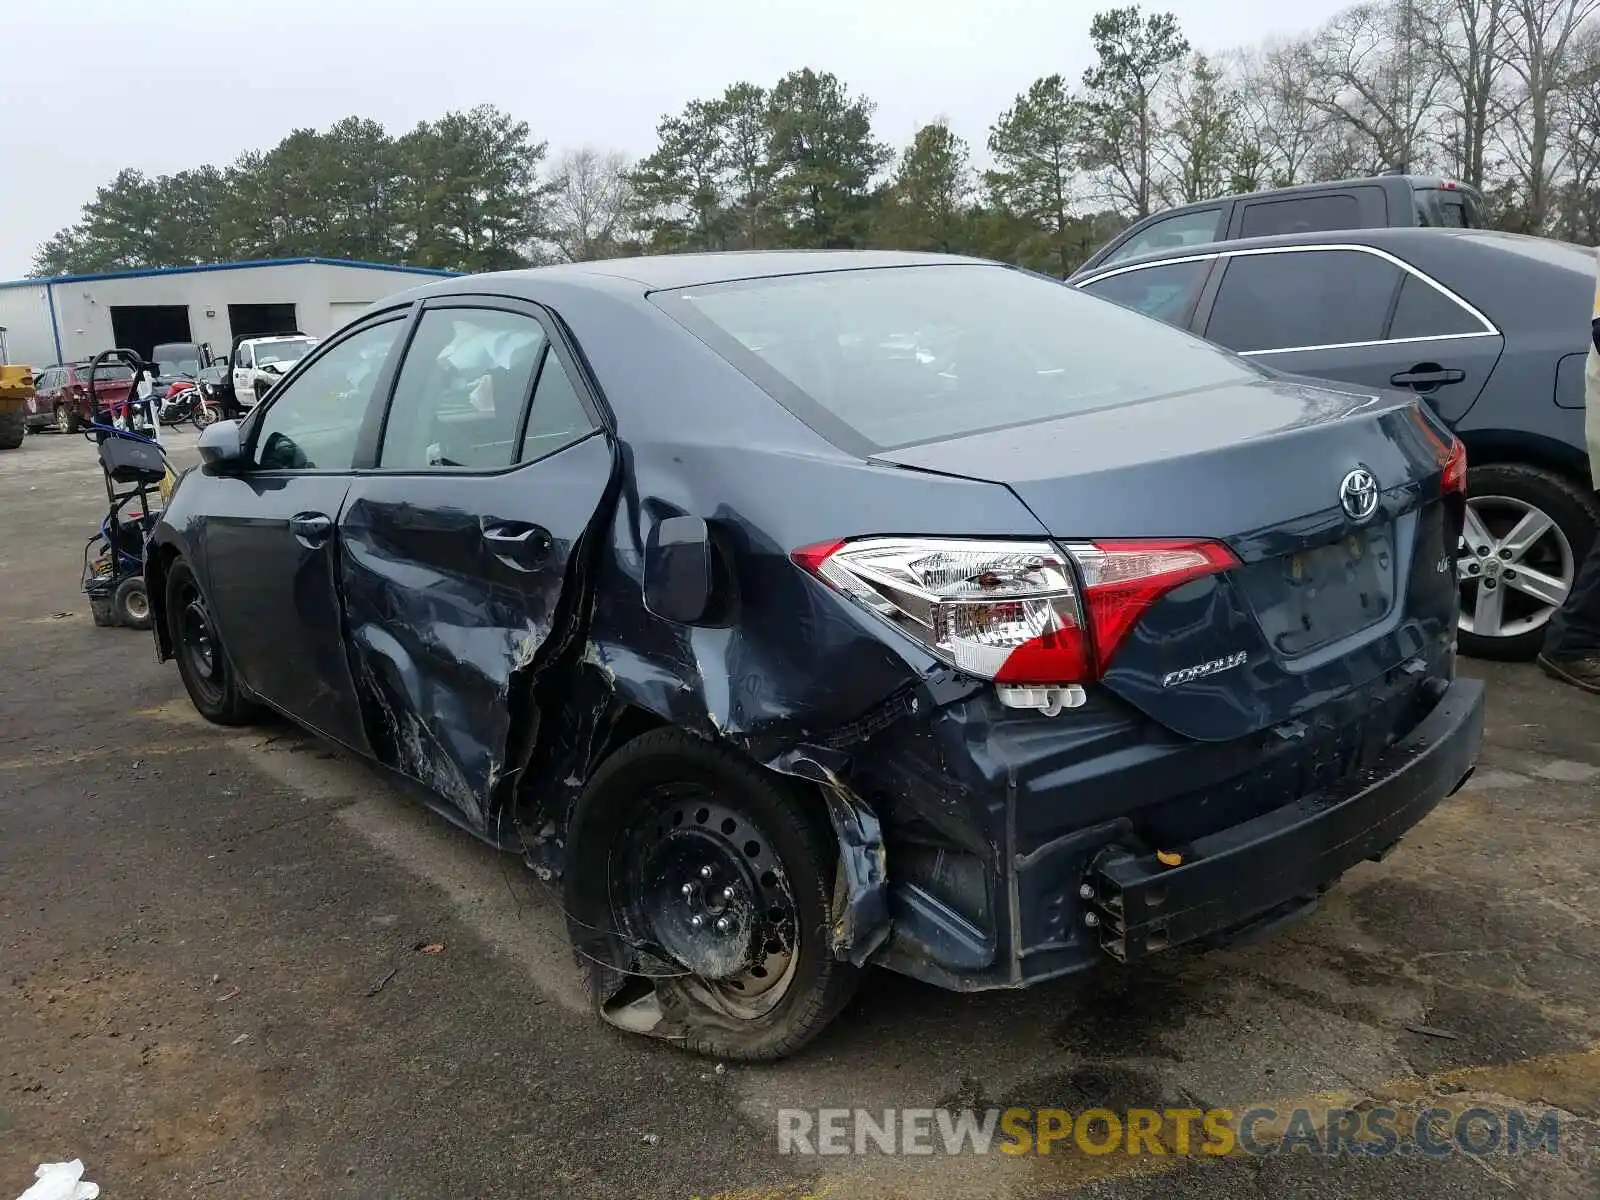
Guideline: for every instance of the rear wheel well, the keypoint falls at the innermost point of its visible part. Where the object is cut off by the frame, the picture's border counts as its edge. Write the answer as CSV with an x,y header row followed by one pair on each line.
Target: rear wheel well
x,y
1558,459
634,722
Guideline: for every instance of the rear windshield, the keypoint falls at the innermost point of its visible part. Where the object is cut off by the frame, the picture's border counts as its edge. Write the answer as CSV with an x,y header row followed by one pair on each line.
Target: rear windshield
x,y
107,371
893,356
1450,208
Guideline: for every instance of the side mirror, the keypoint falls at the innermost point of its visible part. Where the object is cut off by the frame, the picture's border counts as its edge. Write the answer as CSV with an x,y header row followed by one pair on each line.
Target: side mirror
x,y
220,444
678,580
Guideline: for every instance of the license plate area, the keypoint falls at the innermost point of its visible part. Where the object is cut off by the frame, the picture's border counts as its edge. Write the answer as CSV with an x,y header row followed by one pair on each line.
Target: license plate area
x,y
1313,598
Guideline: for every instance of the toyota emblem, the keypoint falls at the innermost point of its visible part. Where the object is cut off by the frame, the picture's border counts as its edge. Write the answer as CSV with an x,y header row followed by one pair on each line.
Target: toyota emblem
x,y
1358,495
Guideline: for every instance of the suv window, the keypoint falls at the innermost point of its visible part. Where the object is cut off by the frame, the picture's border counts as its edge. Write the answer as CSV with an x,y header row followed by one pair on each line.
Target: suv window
x,y
312,422
1163,291
462,390
1303,214
1424,311
1292,299
1185,229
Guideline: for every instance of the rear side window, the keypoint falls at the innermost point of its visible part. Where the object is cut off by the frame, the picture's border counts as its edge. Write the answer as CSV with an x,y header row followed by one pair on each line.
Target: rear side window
x,y
886,357
1185,229
1163,292
1304,214
1292,300
462,388
1424,311
558,418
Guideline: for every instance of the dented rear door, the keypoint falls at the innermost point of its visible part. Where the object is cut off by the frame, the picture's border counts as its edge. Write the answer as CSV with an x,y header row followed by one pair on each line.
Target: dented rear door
x,y
457,546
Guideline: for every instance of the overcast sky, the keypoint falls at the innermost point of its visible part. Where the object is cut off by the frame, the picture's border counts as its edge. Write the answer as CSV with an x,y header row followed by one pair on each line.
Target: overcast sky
x,y
92,86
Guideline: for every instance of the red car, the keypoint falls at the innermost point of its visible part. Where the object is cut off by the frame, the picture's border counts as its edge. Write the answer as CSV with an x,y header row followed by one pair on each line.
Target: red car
x,y
61,394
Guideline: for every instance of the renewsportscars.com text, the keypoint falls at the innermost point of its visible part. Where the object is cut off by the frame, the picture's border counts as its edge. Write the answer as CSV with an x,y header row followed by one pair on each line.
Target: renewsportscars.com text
x,y
1374,1132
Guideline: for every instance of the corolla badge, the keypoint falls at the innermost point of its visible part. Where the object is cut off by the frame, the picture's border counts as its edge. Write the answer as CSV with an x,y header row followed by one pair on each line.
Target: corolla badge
x,y
1201,670
1358,494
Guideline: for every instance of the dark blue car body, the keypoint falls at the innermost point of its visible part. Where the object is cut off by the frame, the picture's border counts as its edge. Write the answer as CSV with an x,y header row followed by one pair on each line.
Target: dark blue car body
x,y
494,636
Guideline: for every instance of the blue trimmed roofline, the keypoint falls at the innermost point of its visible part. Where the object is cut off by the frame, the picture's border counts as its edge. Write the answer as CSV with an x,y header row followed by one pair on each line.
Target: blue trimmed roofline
x,y
233,266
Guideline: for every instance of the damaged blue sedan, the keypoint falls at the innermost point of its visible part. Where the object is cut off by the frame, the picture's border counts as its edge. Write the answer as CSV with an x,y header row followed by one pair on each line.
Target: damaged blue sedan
x,y
801,612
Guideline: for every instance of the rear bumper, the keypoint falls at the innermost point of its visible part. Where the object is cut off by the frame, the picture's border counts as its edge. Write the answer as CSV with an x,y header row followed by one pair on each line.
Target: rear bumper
x,y
1252,872
1099,895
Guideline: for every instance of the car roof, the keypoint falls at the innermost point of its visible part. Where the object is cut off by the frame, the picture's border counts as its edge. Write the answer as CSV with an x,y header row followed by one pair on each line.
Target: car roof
x,y
1379,237
663,271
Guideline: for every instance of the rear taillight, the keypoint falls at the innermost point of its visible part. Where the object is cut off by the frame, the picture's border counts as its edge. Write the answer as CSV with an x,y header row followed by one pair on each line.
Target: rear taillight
x,y
1023,614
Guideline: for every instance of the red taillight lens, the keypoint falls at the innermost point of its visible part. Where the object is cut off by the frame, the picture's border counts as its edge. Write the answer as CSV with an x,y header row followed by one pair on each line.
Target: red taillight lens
x,y
1013,612
1124,578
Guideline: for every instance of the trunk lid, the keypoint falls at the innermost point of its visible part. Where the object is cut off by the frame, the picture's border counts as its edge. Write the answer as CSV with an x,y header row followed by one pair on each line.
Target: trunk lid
x,y
1323,603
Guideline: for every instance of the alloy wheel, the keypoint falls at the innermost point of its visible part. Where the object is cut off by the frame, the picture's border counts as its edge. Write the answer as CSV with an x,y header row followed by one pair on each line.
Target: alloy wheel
x,y
1515,567
63,419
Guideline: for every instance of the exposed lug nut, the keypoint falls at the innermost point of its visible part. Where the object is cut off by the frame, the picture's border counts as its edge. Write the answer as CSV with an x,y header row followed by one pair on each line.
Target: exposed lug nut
x,y
723,924
1508,573
688,889
705,872
1473,568
1506,554
727,893
1090,919
1483,551
1489,583
696,921
1085,892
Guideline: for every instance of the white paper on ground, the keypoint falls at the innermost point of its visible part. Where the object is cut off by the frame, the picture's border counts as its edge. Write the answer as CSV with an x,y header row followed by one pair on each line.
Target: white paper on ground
x,y
61,1181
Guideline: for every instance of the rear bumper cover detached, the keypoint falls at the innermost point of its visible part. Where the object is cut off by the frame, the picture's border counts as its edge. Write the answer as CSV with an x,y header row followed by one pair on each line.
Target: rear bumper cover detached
x,y
1281,860
1231,884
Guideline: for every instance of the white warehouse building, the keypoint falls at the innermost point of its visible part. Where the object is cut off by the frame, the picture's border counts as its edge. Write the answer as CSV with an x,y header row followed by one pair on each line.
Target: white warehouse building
x,y
69,318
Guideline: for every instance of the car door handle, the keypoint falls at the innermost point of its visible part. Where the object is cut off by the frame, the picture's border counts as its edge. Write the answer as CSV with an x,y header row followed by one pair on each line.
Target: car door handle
x,y
311,529
517,542
1426,376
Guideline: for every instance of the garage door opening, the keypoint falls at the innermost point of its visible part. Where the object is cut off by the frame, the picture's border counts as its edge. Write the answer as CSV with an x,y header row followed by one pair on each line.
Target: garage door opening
x,y
142,327
255,320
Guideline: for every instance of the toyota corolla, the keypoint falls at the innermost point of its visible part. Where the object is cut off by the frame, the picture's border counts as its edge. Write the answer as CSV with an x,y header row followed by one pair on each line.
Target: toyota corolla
x,y
804,612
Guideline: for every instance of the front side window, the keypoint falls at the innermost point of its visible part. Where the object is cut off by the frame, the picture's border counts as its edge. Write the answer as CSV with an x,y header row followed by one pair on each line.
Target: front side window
x,y
313,422
1292,300
886,357
1185,229
1162,292
462,390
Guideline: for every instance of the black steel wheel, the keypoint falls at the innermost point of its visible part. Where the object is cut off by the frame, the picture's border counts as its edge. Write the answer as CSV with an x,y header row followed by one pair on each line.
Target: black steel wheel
x,y
704,883
131,603
721,872
202,662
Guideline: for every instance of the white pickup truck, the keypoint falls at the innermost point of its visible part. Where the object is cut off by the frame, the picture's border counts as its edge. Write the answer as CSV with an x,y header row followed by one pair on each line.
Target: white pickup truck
x,y
257,363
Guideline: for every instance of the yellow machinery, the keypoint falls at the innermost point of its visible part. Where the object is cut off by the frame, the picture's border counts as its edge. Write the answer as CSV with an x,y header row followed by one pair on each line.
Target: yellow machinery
x,y
16,389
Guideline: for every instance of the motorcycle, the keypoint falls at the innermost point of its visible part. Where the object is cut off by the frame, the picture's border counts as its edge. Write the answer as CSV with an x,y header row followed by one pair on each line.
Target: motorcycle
x,y
186,400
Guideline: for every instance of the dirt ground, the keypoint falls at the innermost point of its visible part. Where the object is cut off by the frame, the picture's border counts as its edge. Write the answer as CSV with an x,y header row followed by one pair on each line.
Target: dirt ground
x,y
211,982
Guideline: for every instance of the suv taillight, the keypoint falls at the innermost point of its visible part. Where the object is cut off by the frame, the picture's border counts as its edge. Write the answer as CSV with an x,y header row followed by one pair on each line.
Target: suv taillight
x,y
1020,613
